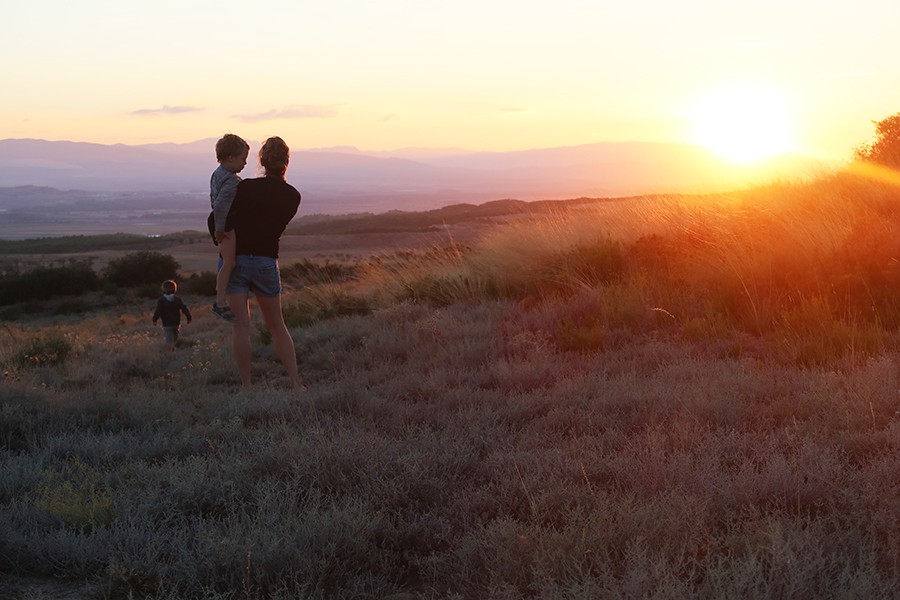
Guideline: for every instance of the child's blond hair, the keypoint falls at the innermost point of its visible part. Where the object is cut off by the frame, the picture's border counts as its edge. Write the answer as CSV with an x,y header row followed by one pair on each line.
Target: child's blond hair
x,y
169,286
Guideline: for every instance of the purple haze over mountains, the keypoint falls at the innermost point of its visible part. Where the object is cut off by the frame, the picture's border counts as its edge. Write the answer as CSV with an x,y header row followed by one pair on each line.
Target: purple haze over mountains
x,y
346,180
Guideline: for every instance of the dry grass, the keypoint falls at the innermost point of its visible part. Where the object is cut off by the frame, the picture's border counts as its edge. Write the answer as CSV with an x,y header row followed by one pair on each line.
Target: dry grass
x,y
671,398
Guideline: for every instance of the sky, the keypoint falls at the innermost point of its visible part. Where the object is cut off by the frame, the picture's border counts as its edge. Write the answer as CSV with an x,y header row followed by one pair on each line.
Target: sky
x,y
493,75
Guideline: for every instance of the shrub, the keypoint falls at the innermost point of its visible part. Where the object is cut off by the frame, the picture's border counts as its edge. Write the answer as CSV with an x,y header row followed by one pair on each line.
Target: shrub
x,y
141,267
48,282
147,290
73,307
586,338
81,502
318,303
309,272
444,290
885,149
52,349
587,265
202,284
345,305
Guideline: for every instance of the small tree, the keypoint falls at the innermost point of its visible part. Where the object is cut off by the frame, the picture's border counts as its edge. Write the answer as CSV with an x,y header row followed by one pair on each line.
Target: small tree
x,y
139,268
885,150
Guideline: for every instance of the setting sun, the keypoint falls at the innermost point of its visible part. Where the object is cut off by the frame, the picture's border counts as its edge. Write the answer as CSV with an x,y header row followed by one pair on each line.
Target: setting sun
x,y
744,123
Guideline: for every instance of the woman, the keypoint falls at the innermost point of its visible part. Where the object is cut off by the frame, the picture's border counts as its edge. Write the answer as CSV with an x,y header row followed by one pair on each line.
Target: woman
x,y
261,210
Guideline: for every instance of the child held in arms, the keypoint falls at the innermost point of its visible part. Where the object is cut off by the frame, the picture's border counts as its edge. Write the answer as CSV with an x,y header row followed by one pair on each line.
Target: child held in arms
x,y
231,153
169,308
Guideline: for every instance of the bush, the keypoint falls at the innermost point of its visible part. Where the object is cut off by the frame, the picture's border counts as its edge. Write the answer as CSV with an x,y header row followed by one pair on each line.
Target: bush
x,y
202,284
309,272
50,349
444,290
885,150
587,265
323,304
139,268
586,338
73,307
48,282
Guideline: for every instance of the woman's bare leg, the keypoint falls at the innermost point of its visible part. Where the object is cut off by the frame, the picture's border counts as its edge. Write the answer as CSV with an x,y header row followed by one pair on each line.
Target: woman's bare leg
x,y
240,338
281,337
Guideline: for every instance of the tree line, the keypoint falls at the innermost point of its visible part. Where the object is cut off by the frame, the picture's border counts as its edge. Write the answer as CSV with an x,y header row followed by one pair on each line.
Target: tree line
x,y
137,269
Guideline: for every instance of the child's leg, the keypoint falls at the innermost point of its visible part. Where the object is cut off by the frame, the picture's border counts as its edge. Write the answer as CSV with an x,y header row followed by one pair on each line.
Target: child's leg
x,y
226,249
171,337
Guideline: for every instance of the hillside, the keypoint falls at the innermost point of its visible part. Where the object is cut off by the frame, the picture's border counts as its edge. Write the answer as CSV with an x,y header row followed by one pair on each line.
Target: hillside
x,y
664,398
42,212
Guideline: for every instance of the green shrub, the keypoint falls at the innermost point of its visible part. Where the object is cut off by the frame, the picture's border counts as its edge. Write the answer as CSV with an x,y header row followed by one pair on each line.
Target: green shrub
x,y
143,267
584,338
147,290
810,334
202,284
81,502
344,305
51,349
73,307
309,272
444,290
591,264
299,316
325,304
48,282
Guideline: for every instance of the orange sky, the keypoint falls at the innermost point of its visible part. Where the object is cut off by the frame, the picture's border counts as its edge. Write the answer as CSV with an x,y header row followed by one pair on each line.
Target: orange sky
x,y
497,75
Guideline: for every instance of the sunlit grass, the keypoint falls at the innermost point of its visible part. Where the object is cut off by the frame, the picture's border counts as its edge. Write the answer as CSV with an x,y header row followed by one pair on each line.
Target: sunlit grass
x,y
753,262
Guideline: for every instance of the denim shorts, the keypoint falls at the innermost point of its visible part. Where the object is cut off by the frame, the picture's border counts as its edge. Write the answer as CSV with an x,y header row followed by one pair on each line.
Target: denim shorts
x,y
257,274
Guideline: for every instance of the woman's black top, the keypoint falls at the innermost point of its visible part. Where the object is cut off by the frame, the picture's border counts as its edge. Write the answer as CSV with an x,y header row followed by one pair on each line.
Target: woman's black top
x,y
261,210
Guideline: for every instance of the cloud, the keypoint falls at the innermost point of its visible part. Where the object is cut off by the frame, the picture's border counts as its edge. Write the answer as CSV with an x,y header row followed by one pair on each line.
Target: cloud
x,y
386,118
303,111
166,110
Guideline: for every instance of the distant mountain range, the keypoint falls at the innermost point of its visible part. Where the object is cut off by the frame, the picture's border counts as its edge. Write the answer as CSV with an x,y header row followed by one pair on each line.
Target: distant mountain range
x,y
345,179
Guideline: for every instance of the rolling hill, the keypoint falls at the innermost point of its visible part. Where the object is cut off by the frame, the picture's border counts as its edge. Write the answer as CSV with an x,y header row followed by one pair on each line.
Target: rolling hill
x,y
344,179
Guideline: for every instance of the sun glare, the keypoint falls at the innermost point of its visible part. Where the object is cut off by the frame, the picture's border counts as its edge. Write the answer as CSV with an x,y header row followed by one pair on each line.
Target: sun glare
x,y
743,123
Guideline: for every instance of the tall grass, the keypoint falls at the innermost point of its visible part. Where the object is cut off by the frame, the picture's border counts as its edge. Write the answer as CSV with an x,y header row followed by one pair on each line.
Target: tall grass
x,y
660,399
783,264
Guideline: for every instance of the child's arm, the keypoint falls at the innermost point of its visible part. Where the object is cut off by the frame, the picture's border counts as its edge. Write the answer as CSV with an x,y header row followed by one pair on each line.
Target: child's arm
x,y
158,312
186,312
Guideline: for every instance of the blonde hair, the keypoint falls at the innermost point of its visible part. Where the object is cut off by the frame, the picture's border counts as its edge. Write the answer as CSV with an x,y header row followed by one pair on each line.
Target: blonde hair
x,y
274,156
169,286
230,145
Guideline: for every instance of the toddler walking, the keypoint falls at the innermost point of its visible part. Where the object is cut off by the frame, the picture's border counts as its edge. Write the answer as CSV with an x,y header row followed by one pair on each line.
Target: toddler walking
x,y
169,308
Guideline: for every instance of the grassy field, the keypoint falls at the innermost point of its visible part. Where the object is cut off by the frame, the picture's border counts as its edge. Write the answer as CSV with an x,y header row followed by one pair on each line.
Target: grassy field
x,y
657,398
